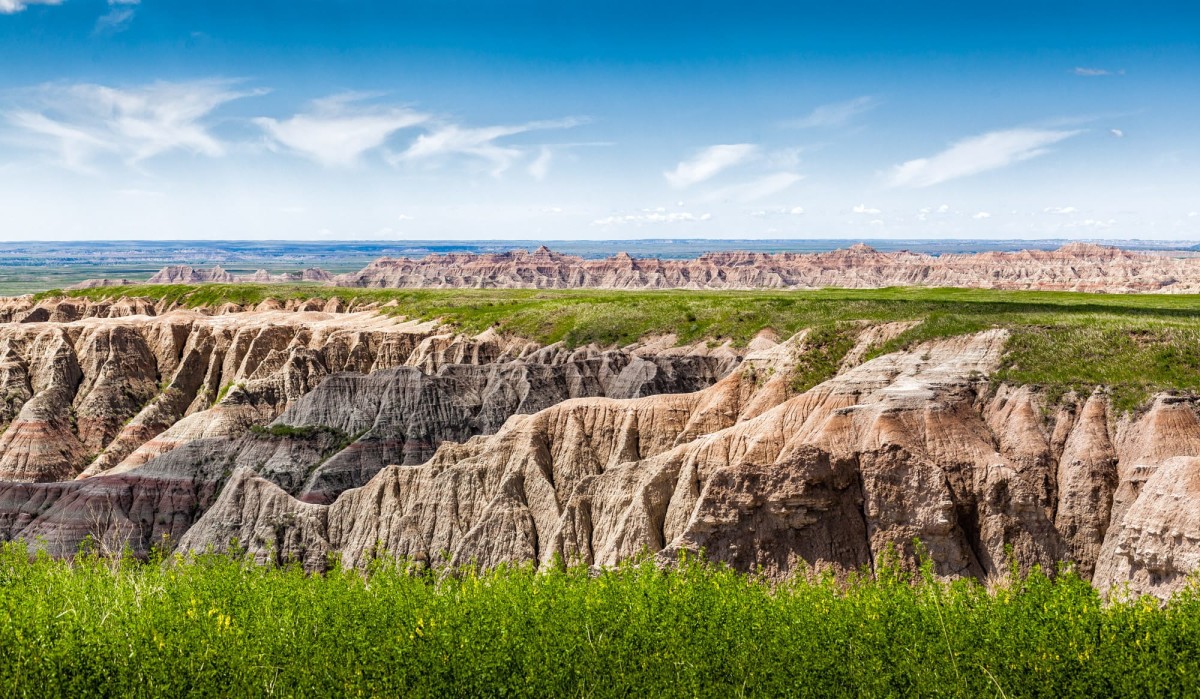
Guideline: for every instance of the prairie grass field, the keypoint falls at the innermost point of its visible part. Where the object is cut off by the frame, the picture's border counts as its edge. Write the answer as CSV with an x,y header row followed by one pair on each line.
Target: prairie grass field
x,y
219,626
1135,345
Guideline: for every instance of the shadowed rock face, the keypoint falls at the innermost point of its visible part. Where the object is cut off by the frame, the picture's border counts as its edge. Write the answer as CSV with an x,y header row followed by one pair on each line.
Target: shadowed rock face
x,y
375,434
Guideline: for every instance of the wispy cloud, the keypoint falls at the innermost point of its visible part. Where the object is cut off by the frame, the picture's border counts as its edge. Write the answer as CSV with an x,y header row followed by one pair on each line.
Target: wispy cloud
x,y
337,130
1093,223
75,147
659,215
981,216
756,189
79,122
452,139
8,7
1060,210
989,151
708,163
540,167
836,114
866,210
1084,72
117,19
779,211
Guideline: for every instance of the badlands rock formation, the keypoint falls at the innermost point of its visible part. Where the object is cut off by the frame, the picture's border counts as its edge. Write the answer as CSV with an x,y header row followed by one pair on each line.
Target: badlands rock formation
x,y
1075,267
908,446
183,274
153,411
302,432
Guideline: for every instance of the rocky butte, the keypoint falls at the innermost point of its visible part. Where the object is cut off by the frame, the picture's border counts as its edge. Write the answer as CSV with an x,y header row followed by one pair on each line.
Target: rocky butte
x,y
311,427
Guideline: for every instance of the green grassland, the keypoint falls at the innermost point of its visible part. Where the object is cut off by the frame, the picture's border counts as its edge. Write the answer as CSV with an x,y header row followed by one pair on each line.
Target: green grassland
x,y
1134,345
221,626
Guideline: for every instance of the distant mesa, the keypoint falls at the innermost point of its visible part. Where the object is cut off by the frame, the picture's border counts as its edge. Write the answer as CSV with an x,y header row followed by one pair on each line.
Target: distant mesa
x,y
1072,267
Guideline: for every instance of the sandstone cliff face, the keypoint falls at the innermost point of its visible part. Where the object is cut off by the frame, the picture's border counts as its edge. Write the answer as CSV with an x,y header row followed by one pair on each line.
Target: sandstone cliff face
x,y
1076,267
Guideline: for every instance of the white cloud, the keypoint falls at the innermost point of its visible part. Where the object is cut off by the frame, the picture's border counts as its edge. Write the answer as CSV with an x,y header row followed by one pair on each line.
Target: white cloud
x,y
781,211
754,190
480,143
541,165
836,114
81,121
659,215
114,21
1117,132
864,209
404,217
981,216
337,131
785,158
8,7
75,147
989,151
118,18
1095,72
944,208
1193,214
708,163
1060,210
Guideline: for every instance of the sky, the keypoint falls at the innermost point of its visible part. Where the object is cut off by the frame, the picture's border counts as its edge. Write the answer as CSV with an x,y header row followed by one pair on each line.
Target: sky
x,y
448,119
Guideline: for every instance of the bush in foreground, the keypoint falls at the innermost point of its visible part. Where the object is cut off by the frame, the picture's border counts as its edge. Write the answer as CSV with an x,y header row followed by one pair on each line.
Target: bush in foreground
x,y
218,626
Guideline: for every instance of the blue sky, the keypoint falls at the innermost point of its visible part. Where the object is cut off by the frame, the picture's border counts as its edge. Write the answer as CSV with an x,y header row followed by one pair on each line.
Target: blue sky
x,y
559,120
